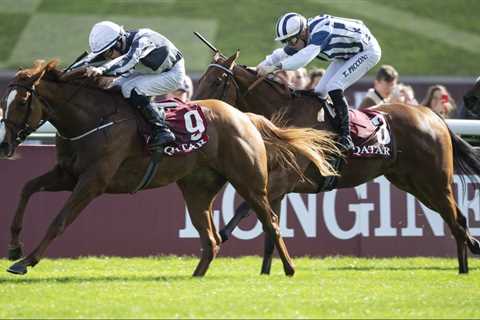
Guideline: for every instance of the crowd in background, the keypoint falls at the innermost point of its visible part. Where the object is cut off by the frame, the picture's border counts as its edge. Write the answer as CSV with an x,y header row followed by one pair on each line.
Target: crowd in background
x,y
386,88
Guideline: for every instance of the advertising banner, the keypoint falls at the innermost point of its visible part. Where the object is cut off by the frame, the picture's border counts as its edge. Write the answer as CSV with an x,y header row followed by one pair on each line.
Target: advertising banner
x,y
372,219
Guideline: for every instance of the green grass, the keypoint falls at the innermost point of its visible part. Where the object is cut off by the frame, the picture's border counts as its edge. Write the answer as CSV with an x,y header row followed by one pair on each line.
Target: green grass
x,y
419,37
163,287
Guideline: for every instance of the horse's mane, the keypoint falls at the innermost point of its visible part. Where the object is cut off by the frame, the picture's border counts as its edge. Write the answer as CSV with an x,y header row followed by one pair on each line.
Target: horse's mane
x,y
39,69
50,72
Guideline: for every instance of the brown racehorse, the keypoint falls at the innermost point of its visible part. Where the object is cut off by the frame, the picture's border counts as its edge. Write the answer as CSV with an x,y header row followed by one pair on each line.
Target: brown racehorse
x,y
104,154
428,152
471,99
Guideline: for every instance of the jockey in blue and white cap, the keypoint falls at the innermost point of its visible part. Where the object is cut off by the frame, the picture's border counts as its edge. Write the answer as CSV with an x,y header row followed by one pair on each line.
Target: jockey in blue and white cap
x,y
145,63
347,43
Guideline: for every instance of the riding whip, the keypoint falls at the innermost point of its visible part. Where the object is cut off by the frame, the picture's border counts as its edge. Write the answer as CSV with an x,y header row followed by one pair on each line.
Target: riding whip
x,y
211,46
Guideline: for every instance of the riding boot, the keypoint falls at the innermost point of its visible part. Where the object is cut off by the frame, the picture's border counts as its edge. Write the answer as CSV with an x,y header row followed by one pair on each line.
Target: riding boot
x,y
161,134
341,108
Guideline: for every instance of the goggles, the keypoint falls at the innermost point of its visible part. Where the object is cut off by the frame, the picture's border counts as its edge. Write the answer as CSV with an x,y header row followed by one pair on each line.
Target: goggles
x,y
292,41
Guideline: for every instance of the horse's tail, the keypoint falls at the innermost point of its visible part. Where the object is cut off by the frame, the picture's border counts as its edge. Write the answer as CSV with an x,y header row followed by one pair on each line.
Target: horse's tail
x,y
466,159
284,143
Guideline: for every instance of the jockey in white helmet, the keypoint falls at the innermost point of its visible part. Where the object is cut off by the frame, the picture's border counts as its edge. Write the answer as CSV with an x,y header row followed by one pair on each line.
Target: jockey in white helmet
x,y
146,64
347,43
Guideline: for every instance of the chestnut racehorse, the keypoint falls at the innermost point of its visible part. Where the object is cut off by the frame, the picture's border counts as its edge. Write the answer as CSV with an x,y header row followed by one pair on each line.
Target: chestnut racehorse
x,y
428,152
99,150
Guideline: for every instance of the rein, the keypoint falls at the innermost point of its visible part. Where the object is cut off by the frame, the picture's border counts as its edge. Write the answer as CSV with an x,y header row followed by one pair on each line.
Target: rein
x,y
230,75
255,83
106,125
259,80
25,129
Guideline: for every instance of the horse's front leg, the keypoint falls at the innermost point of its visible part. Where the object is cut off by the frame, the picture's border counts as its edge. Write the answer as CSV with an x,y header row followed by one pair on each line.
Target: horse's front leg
x,y
54,180
90,185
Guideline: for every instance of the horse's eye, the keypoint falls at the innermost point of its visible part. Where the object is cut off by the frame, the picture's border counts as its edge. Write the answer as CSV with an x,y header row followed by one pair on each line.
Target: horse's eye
x,y
218,82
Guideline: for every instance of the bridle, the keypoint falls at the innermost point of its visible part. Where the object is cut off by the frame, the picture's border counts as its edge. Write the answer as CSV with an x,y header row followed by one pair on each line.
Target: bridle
x,y
24,129
242,97
229,76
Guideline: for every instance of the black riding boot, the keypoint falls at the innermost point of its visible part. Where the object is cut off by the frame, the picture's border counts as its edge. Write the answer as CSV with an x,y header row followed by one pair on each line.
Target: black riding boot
x,y
341,108
161,134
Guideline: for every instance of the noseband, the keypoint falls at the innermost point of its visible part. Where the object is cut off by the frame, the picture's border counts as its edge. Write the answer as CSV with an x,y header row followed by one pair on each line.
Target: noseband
x,y
24,129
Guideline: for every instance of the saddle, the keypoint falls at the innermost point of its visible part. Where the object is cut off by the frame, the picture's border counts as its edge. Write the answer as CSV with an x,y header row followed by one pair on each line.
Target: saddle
x,y
189,125
187,122
371,136
370,132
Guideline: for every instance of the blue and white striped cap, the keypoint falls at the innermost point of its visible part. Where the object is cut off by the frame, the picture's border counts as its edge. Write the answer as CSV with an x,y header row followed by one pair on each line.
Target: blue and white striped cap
x,y
289,25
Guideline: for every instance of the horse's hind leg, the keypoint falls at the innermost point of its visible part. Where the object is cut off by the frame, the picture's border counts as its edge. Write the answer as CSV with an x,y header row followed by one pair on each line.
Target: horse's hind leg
x,y
269,243
450,214
258,200
199,192
440,199
472,243
54,180
242,211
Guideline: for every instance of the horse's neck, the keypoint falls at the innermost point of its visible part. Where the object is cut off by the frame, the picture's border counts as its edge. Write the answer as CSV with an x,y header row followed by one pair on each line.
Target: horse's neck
x,y
251,101
299,110
70,109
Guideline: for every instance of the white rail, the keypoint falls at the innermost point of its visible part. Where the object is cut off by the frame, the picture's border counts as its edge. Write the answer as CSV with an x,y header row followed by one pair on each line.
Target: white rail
x,y
459,126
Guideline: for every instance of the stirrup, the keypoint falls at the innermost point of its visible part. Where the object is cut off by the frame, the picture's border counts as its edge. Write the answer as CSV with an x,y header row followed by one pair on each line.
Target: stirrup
x,y
346,144
161,138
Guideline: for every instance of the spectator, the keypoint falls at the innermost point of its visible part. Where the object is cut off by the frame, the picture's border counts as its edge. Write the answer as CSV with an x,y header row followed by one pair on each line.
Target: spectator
x,y
385,80
299,79
403,94
284,77
439,100
315,75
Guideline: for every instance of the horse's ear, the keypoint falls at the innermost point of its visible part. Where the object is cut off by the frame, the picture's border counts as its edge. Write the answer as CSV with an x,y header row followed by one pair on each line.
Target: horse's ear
x,y
52,64
230,63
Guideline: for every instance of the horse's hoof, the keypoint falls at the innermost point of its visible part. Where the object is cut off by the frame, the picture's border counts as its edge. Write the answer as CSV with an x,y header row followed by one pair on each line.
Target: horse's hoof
x,y
18,268
474,245
15,253
223,235
289,271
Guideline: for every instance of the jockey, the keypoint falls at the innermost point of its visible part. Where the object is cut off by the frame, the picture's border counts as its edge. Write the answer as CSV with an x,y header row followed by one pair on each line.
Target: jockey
x,y
347,43
146,64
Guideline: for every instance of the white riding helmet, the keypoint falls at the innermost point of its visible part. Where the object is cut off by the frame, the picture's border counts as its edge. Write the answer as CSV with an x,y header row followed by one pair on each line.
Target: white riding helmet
x,y
103,36
289,25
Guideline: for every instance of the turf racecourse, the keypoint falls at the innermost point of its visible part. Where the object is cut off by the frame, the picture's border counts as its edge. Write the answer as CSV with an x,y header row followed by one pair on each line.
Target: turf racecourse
x,y
161,287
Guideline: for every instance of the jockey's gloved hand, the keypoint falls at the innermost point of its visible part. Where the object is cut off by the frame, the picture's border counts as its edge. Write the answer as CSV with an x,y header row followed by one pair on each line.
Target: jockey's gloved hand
x,y
266,69
93,71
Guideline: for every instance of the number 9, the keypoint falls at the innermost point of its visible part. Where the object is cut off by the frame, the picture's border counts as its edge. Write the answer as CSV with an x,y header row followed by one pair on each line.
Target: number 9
x,y
196,129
